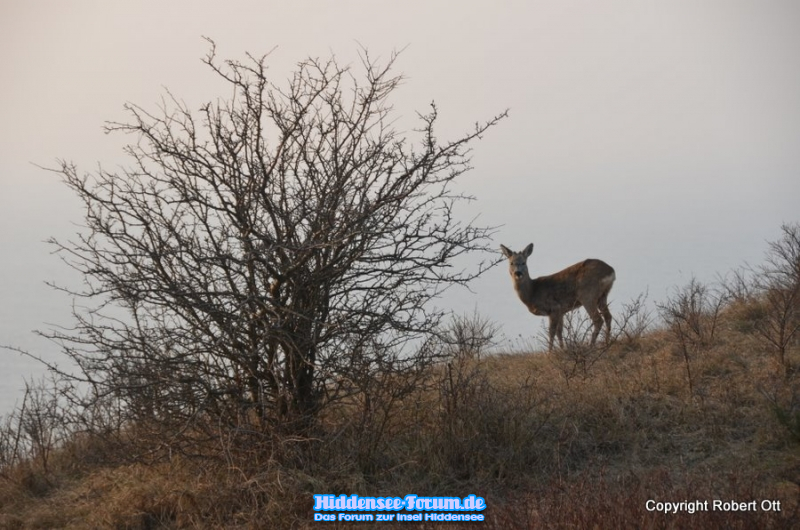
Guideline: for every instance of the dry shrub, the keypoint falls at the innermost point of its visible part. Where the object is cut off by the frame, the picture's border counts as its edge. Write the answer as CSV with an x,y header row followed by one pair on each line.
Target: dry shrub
x,y
692,315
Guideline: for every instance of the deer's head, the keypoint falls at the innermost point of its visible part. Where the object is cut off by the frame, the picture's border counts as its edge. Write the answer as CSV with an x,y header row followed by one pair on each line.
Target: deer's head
x,y
517,261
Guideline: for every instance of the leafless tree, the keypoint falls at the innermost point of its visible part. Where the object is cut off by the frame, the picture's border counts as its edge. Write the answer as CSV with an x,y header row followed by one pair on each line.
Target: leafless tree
x,y
259,256
692,315
771,294
34,429
778,282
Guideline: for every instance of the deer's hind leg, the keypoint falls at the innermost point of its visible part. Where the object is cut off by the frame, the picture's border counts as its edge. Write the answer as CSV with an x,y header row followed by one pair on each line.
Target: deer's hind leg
x,y
603,305
597,319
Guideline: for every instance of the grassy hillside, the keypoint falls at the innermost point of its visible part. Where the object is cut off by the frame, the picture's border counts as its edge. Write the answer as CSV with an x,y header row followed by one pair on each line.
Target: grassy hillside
x,y
547,441
704,406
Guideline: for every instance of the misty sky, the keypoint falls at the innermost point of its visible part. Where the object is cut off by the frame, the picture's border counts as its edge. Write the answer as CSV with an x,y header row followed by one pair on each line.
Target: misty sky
x,y
662,137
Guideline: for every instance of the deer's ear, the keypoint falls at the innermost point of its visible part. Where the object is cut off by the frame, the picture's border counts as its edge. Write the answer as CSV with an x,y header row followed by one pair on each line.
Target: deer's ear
x,y
507,253
528,250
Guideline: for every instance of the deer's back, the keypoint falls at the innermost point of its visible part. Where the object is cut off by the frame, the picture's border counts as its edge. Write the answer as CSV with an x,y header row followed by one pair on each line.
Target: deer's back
x,y
566,289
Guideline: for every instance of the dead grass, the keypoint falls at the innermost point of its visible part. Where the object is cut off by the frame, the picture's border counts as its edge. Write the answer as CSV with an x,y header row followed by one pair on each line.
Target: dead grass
x,y
545,448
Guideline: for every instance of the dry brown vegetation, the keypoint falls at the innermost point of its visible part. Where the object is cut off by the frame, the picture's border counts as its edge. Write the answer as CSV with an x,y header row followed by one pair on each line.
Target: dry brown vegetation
x,y
703,406
545,445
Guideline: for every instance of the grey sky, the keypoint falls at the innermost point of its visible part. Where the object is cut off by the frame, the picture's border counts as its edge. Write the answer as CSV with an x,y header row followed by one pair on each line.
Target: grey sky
x,y
662,137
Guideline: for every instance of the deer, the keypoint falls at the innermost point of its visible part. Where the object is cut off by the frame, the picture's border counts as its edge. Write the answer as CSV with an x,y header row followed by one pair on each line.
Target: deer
x,y
586,284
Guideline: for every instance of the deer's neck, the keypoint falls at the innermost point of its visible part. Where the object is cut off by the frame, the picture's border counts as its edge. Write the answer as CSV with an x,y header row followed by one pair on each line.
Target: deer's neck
x,y
525,287
528,293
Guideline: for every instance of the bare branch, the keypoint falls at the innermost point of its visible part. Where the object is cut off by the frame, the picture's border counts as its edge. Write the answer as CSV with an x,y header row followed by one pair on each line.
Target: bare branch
x,y
257,253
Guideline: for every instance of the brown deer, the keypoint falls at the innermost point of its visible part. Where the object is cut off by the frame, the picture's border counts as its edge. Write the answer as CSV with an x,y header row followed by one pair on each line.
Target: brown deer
x,y
584,284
